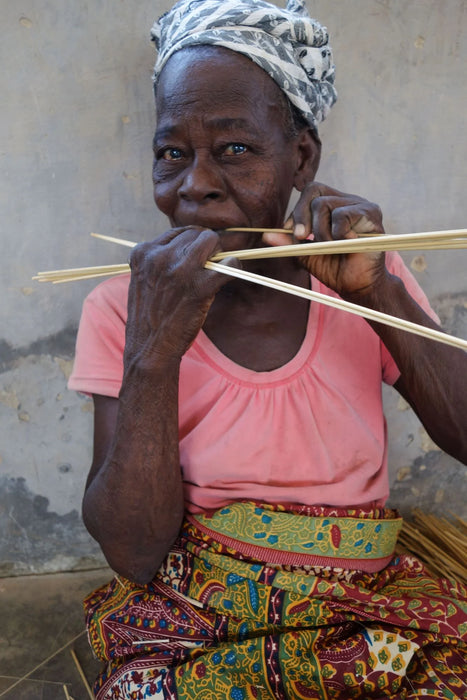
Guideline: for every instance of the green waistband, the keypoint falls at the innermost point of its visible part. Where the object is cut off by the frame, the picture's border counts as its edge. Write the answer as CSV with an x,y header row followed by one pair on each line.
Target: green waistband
x,y
324,536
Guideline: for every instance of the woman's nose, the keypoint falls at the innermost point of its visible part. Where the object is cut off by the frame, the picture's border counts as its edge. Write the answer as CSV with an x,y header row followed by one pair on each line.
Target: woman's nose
x,y
202,182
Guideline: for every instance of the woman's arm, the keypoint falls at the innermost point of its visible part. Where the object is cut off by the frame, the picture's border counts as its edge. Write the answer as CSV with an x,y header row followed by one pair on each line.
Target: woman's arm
x,y
133,504
433,375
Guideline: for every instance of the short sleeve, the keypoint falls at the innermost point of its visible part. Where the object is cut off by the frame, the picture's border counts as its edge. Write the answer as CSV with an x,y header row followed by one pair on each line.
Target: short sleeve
x,y
396,266
98,364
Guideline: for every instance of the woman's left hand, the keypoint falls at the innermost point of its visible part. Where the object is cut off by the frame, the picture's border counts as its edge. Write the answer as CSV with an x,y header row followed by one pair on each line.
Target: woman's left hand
x,y
324,214
431,374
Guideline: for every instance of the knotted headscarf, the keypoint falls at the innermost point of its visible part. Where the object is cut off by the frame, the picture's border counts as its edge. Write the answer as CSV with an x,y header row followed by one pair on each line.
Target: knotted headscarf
x,y
290,46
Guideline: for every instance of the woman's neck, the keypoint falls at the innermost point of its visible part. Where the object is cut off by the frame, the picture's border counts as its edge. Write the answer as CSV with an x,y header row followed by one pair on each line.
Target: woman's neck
x,y
258,327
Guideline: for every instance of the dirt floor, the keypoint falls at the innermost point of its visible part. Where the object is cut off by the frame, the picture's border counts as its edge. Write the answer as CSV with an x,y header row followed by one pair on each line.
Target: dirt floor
x,y
41,620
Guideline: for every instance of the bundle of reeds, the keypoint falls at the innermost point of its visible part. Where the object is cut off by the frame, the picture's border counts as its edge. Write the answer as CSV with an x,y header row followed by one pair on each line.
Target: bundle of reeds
x,y
430,240
440,543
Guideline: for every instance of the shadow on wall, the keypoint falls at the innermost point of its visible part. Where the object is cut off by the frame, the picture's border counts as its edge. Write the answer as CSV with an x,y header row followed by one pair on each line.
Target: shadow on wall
x,y
36,540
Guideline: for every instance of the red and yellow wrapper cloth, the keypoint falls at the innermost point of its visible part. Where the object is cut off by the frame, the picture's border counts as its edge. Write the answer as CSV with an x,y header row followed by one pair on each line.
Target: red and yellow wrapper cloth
x,y
348,539
256,601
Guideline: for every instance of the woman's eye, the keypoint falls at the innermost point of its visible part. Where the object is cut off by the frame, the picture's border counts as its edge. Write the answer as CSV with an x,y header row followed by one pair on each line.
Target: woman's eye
x,y
235,149
170,154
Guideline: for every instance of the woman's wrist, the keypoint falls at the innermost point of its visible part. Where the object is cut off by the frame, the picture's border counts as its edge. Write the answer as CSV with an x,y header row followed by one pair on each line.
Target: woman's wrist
x,y
382,295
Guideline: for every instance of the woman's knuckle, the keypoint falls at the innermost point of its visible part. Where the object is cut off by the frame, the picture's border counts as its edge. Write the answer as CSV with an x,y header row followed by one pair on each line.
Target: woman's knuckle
x,y
316,203
136,256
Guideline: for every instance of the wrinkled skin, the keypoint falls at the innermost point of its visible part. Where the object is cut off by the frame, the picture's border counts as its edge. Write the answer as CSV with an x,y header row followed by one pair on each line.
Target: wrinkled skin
x,y
224,158
325,214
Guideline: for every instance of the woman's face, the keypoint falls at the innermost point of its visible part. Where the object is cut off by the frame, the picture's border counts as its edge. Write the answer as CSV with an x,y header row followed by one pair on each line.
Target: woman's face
x,y
221,154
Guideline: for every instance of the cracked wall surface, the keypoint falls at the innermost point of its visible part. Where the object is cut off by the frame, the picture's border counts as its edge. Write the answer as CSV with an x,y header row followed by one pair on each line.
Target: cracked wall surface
x,y
77,123
45,453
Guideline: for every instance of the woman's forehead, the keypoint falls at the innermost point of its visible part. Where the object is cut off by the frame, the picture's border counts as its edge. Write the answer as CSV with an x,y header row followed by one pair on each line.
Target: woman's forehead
x,y
215,81
214,69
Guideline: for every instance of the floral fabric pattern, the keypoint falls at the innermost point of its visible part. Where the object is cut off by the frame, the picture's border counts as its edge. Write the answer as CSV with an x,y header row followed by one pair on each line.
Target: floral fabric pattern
x,y
217,624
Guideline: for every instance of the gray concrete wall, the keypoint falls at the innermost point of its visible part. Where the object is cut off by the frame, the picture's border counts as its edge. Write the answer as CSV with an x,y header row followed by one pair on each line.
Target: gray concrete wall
x,y
76,129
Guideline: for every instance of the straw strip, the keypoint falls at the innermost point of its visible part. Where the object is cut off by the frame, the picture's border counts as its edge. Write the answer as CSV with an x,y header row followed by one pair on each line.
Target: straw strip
x,y
359,235
69,272
246,229
85,276
461,524
438,542
58,276
81,673
112,239
434,558
42,663
410,241
429,240
81,273
369,314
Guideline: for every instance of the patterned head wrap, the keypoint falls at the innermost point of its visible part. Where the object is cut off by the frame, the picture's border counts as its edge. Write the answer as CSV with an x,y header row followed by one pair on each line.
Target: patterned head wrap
x,y
290,46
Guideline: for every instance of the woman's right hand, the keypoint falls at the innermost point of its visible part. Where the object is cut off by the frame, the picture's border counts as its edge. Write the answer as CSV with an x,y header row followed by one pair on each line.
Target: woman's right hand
x,y
170,294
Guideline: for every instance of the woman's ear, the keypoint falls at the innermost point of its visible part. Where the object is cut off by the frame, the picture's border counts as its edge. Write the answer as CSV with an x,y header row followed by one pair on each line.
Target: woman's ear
x,y
308,147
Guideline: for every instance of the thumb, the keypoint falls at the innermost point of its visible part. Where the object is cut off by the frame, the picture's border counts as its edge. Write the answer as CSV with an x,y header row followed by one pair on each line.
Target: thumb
x,y
274,239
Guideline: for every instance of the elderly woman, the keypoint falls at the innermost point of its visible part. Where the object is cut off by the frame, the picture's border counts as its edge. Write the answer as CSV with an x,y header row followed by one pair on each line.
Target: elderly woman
x,y
239,474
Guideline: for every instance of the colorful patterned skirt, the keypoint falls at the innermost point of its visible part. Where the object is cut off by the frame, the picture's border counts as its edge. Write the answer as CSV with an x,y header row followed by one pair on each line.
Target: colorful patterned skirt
x,y
264,602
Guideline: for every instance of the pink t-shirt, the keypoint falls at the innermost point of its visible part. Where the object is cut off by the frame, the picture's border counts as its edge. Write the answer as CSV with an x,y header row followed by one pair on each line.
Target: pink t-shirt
x,y
310,432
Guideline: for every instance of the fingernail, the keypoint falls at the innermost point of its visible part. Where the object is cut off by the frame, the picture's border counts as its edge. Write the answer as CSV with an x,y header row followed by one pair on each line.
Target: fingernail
x,y
299,231
288,223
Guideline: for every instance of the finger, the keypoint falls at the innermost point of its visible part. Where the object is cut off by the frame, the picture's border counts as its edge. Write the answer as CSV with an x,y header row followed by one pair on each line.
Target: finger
x,y
320,189
198,245
302,216
334,218
231,261
218,278
351,220
184,242
289,223
300,219
274,239
170,235
367,225
179,254
321,211
197,252
140,251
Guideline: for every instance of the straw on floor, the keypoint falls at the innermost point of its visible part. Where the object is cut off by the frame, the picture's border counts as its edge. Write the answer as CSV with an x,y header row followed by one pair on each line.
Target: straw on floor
x,y
440,543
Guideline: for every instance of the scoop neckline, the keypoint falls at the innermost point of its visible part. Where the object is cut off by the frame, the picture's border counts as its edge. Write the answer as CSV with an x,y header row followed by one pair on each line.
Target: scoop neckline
x,y
223,364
